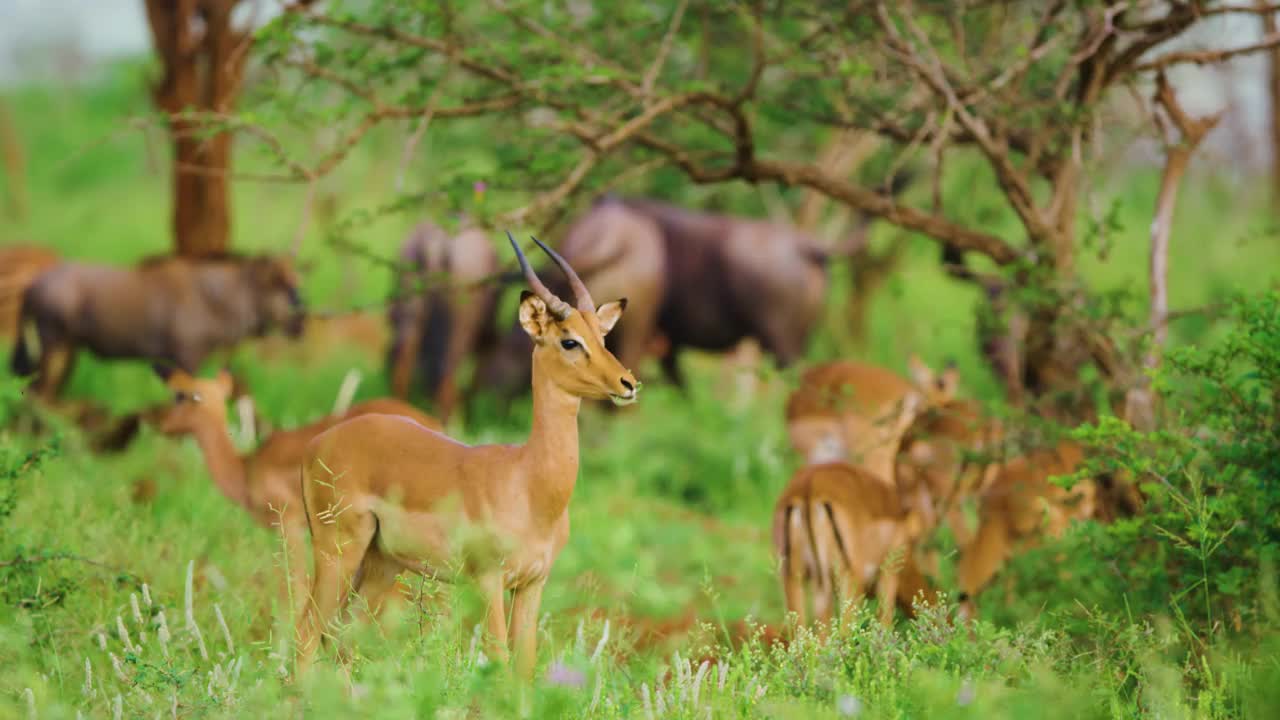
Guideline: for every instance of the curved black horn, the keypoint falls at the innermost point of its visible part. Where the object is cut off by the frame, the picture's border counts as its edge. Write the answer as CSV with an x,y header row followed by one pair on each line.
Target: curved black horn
x,y
555,305
580,295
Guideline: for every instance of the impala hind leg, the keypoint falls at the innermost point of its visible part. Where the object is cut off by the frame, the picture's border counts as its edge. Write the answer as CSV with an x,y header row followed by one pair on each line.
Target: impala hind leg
x,y
491,587
797,561
524,627
847,566
827,558
339,546
293,533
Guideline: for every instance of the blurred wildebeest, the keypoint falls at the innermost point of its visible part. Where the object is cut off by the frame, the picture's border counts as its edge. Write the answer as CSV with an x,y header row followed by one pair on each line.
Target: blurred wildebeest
x,y
166,309
731,278
434,329
19,266
698,280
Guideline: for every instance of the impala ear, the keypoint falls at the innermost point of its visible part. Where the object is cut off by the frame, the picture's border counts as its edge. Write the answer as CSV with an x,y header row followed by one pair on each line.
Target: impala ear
x,y
225,381
921,374
534,316
609,313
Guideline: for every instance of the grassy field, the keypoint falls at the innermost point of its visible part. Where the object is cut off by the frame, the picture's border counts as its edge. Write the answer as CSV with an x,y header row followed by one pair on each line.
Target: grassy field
x,y
666,598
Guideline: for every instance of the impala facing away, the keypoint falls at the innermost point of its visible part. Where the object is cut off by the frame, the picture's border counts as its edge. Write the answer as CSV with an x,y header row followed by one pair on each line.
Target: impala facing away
x,y
385,495
264,482
835,528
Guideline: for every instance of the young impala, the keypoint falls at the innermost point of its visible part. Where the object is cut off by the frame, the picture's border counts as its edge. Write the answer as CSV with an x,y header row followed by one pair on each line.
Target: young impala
x,y
264,482
385,495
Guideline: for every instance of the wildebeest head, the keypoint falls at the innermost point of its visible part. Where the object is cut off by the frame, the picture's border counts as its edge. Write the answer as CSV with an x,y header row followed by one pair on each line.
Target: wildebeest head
x,y
275,290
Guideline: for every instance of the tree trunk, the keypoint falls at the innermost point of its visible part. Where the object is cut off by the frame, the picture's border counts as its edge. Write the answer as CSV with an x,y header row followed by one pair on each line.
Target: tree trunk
x,y
203,60
1140,402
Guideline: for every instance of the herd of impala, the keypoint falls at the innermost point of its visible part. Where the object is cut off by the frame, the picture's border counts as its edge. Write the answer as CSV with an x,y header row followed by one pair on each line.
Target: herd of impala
x,y
380,489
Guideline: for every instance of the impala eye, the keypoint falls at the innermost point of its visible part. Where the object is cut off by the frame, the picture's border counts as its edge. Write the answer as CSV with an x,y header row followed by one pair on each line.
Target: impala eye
x,y
569,344
179,397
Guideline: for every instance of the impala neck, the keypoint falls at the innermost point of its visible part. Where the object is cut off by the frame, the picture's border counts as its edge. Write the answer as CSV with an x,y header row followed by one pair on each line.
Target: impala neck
x,y
552,450
225,465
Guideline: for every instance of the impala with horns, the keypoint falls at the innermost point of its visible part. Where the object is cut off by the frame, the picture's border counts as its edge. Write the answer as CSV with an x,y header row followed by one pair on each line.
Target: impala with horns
x,y
615,251
858,412
167,309
385,495
435,327
265,481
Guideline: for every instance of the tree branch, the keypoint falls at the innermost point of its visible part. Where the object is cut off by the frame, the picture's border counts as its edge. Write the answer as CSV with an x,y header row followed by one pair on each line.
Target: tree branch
x,y
664,49
1207,57
929,69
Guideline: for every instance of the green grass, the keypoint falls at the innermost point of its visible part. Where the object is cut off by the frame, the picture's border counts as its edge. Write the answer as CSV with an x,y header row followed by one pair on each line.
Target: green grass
x,y
670,518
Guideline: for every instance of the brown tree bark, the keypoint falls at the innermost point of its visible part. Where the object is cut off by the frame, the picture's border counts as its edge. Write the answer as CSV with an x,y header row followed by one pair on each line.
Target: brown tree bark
x,y
203,59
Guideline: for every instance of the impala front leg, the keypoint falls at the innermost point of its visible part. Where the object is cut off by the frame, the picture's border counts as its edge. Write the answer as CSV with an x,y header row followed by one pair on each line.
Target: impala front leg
x,y
491,586
524,627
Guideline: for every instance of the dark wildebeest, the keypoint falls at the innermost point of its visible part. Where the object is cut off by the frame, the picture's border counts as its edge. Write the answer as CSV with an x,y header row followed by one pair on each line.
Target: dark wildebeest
x,y
434,329
731,278
701,280
168,309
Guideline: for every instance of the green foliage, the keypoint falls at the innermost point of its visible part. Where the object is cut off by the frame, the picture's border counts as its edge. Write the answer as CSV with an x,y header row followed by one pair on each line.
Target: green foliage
x,y
1207,536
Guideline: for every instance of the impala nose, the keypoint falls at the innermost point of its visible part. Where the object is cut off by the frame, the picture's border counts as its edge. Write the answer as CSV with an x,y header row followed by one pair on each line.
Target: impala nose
x,y
627,384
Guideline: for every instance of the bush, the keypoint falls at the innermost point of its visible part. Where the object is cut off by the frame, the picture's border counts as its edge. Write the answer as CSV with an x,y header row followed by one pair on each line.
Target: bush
x,y
1203,548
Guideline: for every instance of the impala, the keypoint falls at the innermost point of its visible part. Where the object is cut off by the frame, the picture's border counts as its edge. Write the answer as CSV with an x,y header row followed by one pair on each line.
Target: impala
x,y
384,494
954,451
1018,508
857,411
946,456
264,482
835,528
